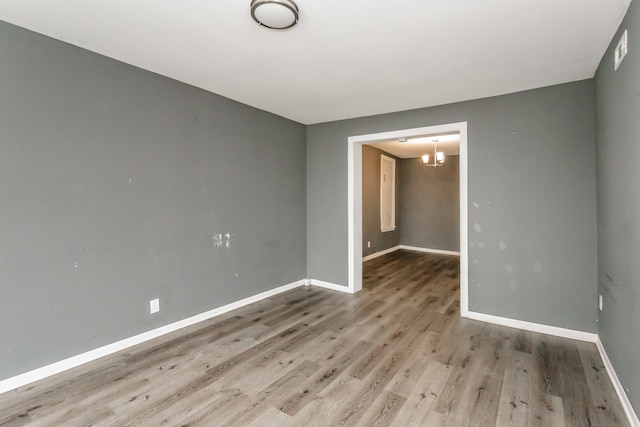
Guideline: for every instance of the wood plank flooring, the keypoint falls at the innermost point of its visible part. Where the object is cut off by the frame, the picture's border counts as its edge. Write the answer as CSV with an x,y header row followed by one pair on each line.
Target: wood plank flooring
x,y
397,353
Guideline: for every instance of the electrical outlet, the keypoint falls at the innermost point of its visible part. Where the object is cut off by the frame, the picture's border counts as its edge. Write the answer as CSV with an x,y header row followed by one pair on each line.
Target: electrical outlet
x,y
368,243
600,302
154,305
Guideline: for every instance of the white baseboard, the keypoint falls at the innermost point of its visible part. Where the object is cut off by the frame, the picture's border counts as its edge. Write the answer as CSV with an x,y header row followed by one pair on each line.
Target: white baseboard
x,y
429,250
533,327
410,248
327,285
72,362
383,252
617,385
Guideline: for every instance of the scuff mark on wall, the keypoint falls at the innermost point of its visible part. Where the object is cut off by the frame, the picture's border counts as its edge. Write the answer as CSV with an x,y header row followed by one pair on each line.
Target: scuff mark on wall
x,y
537,267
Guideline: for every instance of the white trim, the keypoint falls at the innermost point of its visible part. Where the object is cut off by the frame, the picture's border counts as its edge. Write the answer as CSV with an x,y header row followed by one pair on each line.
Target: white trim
x,y
464,220
377,254
617,385
429,250
534,327
354,214
331,286
80,359
354,201
392,214
409,248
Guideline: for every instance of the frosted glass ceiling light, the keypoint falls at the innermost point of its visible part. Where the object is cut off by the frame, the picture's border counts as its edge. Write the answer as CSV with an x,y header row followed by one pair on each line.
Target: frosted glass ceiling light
x,y
275,14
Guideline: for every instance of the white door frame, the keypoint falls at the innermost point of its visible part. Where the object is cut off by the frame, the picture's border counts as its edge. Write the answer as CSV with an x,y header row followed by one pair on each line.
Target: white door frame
x,y
354,195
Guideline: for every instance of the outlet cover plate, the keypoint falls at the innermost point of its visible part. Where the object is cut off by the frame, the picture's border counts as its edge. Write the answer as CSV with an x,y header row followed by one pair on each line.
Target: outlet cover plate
x,y
154,305
621,51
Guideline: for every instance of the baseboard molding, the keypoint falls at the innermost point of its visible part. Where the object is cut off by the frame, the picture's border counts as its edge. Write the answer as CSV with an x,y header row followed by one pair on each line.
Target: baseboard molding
x,y
327,285
429,250
410,248
533,327
617,385
377,254
74,361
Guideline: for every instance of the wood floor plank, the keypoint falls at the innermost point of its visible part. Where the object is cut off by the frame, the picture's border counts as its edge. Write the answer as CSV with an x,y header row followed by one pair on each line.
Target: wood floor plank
x,y
515,399
607,405
407,376
570,383
383,410
271,417
266,398
330,401
221,412
425,393
547,411
373,385
307,391
397,353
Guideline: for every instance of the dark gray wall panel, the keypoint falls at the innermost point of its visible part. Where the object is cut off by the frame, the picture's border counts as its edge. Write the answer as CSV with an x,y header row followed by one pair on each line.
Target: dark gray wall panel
x,y
618,125
371,158
430,199
113,181
532,200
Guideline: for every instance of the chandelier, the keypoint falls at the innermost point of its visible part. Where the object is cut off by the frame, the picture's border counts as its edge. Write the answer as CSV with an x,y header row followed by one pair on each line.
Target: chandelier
x,y
438,157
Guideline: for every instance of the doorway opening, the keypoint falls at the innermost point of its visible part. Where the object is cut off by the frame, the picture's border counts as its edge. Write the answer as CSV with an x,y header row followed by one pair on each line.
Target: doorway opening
x,y
355,144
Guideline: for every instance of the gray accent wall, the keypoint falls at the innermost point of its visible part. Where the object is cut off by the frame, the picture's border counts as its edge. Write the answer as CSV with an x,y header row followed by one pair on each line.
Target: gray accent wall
x,y
618,128
113,183
430,198
371,158
531,197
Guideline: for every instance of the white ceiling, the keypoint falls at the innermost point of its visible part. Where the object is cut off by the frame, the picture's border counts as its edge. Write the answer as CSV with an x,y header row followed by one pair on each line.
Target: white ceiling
x,y
416,146
344,59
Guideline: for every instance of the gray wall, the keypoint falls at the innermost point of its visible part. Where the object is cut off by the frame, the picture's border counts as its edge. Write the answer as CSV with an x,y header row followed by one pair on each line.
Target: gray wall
x,y
618,110
113,181
430,199
532,200
371,158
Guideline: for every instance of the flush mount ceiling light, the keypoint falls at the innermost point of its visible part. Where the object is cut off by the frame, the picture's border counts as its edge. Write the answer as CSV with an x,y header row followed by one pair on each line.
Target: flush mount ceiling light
x,y
438,157
275,14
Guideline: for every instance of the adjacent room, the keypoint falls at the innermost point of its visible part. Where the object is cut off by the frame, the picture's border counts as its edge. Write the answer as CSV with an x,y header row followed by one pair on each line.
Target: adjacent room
x,y
319,213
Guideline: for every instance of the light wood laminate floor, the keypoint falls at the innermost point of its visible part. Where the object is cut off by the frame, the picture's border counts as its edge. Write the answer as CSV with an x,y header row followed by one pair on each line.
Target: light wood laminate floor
x,y
397,353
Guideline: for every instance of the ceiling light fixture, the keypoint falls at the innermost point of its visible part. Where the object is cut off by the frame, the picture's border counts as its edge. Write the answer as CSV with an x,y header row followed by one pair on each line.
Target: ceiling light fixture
x,y
275,14
438,157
